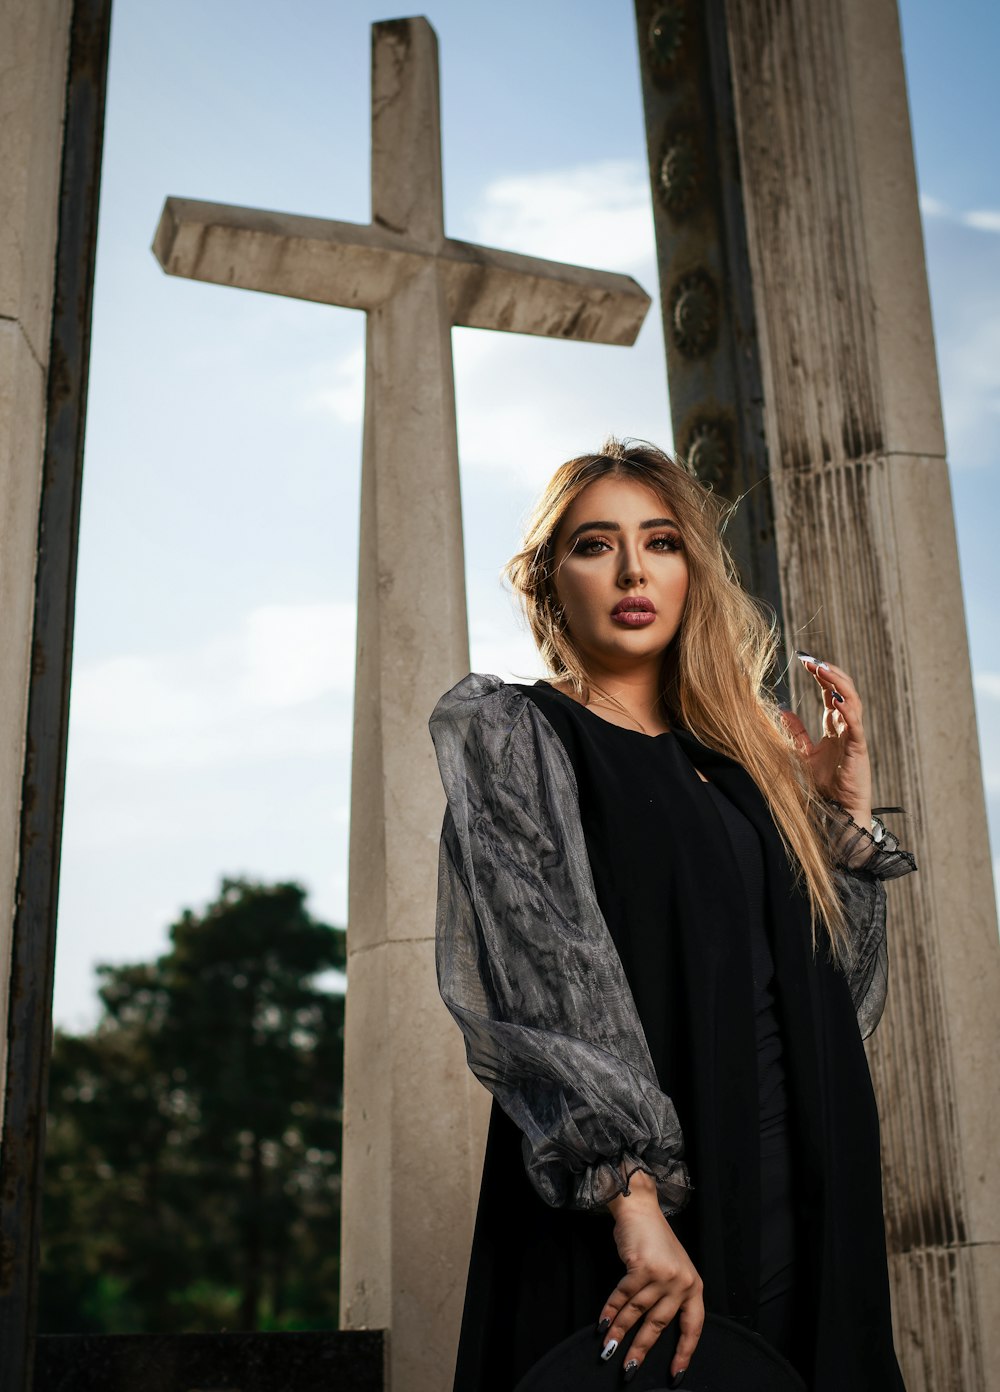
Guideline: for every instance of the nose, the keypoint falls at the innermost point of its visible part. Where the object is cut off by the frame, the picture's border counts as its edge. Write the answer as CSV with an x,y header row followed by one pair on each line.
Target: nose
x,y
632,572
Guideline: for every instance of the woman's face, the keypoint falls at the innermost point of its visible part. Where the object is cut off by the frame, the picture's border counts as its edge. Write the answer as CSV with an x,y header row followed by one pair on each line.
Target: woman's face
x,y
617,544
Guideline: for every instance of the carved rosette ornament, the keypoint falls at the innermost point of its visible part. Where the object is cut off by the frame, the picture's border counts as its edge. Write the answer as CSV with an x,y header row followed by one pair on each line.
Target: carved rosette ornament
x,y
679,175
694,314
665,37
708,453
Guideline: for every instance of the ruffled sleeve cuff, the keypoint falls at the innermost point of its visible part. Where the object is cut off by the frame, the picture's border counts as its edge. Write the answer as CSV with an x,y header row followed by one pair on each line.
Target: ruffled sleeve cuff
x,y
862,860
593,1186
876,851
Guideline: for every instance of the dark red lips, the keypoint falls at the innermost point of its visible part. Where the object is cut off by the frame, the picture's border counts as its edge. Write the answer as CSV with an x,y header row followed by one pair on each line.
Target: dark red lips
x,y
636,602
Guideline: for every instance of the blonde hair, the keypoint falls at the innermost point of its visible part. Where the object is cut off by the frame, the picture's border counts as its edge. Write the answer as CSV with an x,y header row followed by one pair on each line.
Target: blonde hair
x,y
715,672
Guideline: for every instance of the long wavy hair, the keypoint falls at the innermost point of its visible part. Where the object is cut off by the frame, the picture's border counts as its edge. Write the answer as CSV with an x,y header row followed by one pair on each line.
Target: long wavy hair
x,y
715,672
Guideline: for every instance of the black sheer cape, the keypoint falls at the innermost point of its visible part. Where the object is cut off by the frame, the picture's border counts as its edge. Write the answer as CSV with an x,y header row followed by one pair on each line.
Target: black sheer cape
x,y
528,968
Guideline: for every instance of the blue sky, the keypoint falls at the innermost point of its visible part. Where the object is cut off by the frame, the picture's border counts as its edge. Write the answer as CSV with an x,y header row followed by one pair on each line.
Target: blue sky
x,y
212,683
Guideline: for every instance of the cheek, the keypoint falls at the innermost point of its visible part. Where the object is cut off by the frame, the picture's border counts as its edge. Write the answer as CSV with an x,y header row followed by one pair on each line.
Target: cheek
x,y
682,582
575,590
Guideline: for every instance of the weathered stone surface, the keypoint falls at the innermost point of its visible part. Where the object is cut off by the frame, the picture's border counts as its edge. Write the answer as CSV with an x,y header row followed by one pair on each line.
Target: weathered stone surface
x,y
415,1118
34,43
361,266
870,579
34,37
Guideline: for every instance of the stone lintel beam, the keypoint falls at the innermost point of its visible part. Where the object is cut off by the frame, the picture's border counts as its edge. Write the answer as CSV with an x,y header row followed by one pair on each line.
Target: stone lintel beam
x,y
360,266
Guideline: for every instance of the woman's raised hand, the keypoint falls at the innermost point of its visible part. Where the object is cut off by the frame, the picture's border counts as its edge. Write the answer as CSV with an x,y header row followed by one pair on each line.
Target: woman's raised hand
x,y
839,761
660,1282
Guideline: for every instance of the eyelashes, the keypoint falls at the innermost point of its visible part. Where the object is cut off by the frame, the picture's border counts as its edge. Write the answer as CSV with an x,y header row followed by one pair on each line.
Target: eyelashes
x,y
672,540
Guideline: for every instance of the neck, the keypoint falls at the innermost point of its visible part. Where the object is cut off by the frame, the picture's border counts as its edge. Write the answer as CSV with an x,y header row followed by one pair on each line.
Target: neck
x,y
637,690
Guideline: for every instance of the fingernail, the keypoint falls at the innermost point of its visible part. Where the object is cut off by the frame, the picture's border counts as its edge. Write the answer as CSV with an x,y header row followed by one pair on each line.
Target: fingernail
x,y
604,1325
631,1368
837,696
808,657
609,1349
679,1378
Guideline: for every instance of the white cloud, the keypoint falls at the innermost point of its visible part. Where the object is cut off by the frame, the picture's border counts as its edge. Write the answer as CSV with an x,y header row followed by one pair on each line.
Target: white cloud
x,y
526,404
281,684
296,653
933,207
988,684
592,215
985,219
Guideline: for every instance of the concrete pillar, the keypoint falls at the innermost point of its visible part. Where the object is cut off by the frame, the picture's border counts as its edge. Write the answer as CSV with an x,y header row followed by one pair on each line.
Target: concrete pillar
x,y
34,39
870,578
51,136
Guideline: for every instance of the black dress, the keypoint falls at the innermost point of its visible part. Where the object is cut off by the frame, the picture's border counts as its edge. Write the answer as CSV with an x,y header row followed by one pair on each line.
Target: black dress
x,y
754,1040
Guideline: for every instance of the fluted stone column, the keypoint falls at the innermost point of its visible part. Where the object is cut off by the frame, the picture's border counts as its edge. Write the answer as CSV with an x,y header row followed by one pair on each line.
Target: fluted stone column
x,y
870,579
801,362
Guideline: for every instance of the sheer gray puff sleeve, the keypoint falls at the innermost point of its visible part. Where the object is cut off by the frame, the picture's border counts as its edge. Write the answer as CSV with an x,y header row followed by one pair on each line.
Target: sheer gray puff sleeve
x,y
526,963
862,862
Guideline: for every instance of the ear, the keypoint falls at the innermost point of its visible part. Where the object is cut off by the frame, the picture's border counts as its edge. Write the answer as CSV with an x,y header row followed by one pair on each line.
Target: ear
x,y
797,730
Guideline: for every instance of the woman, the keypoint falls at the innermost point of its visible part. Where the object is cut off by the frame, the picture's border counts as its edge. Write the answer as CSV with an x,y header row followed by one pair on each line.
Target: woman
x,y
661,928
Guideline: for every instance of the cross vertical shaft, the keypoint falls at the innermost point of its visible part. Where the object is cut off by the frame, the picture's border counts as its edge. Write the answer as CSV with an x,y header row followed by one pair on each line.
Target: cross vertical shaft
x,y
407,183
404,1067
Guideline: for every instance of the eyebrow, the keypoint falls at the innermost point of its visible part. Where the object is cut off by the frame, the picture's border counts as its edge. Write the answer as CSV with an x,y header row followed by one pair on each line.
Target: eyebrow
x,y
615,527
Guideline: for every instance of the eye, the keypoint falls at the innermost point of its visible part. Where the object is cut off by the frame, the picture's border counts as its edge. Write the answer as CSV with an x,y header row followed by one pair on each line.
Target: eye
x,y
671,540
663,542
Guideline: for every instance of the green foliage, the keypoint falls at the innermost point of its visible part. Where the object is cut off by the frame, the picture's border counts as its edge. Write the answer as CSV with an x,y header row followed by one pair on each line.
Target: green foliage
x,y
193,1155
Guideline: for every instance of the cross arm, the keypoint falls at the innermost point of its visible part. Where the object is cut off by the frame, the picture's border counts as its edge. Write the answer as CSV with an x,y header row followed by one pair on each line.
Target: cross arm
x,y
361,266
338,263
490,289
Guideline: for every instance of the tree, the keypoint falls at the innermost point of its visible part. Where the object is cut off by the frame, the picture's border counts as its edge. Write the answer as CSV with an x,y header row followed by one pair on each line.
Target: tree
x,y
194,1138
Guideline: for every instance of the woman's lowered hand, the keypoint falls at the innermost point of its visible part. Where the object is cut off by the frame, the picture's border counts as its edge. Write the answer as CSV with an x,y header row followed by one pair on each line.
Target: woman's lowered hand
x,y
659,1283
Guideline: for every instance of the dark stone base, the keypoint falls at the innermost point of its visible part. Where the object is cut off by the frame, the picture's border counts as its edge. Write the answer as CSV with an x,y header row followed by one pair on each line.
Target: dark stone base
x,y
347,1360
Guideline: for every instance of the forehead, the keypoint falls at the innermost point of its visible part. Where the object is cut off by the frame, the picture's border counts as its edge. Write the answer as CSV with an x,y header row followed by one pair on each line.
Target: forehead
x,y
614,500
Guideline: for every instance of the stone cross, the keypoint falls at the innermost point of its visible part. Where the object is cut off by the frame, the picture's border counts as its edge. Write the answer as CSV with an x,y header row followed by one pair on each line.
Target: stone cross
x,y
415,1118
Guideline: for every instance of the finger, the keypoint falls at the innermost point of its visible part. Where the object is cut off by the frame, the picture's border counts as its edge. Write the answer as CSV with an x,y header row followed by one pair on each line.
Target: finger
x,y
692,1321
627,1289
834,678
832,697
842,709
627,1315
656,1321
821,672
839,674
